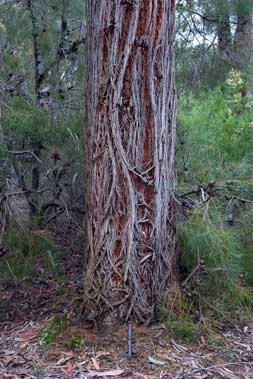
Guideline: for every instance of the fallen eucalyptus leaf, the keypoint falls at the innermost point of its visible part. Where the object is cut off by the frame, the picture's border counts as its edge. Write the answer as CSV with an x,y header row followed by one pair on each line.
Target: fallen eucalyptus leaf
x,y
155,361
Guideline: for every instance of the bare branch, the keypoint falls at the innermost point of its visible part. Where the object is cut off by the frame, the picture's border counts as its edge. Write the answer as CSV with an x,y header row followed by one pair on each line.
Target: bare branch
x,y
24,152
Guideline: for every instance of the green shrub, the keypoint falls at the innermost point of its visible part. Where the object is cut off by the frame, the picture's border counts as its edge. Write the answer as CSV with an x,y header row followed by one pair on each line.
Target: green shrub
x,y
76,342
215,138
52,331
215,133
245,227
30,254
219,289
178,320
25,122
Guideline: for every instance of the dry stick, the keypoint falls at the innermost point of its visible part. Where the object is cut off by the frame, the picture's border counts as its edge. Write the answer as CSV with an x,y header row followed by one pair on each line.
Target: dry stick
x,y
212,368
199,300
10,269
3,224
191,274
24,152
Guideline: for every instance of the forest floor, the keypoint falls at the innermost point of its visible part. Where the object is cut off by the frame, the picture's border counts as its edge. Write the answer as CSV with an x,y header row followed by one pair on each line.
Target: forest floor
x,y
40,340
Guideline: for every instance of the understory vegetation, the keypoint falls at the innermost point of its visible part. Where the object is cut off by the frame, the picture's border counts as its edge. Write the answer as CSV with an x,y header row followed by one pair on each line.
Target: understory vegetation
x,y
215,196
31,255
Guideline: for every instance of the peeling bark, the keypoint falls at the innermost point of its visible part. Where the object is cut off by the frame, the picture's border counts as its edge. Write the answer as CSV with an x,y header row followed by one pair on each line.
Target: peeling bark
x,y
130,133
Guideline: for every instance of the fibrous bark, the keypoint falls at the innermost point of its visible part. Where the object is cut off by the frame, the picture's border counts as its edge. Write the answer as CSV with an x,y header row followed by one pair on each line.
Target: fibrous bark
x,y
130,132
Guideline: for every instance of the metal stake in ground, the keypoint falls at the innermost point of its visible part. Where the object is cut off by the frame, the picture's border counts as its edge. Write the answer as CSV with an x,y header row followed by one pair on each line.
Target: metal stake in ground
x,y
129,341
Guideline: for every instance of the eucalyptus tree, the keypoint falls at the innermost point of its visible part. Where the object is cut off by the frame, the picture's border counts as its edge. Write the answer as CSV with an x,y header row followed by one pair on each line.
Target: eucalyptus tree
x,y
130,131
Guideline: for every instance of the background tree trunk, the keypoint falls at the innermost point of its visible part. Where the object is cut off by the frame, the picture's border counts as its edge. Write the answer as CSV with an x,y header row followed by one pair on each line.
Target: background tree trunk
x,y
130,106
224,35
243,45
221,12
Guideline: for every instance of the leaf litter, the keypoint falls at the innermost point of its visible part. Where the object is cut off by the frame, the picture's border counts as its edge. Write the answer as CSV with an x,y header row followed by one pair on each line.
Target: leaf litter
x,y
104,355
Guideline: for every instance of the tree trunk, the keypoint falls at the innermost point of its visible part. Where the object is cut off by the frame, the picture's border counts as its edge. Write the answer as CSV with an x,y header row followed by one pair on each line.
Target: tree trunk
x,y
225,42
243,42
224,36
243,47
130,106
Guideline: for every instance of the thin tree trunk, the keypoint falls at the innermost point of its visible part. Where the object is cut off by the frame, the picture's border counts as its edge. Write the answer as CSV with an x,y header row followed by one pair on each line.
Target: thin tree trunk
x,y
39,72
39,82
130,107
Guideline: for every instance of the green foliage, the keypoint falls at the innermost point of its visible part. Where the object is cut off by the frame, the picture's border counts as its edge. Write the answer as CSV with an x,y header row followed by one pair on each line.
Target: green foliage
x,y
11,60
215,144
56,328
52,331
24,120
76,342
245,227
215,133
178,321
30,254
219,247
21,119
